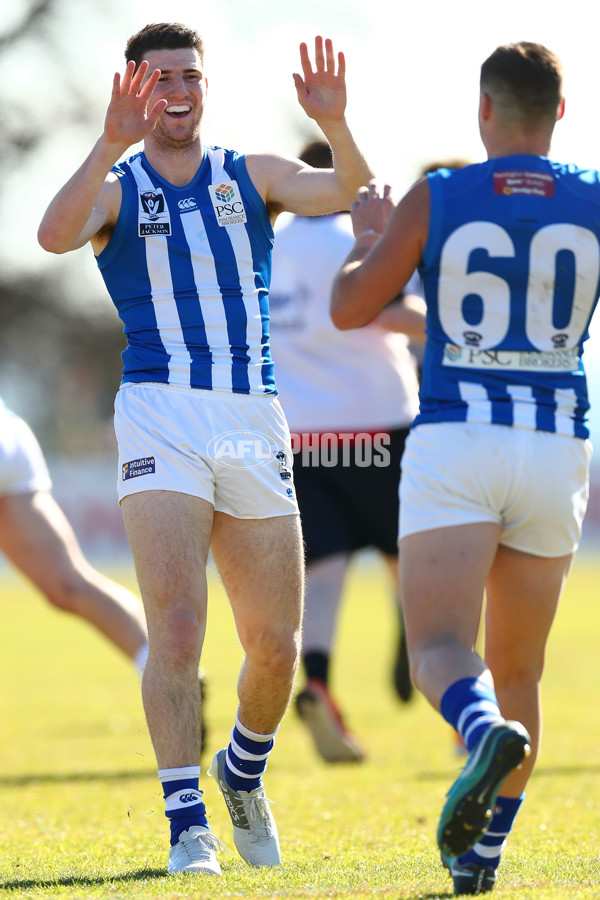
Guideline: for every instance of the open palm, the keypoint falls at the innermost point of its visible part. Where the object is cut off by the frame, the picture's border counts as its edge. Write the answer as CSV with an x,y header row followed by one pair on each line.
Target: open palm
x,y
127,117
322,90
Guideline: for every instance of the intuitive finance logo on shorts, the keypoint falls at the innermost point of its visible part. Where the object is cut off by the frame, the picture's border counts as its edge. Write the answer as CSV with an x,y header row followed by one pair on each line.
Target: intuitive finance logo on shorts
x,y
136,467
242,449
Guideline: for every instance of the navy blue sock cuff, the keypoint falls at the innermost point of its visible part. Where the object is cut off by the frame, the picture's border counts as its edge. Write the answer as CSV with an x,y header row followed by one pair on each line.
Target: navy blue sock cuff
x,y
461,694
505,812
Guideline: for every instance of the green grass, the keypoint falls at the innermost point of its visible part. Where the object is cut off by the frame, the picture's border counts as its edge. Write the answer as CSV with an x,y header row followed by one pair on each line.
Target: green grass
x,y
82,813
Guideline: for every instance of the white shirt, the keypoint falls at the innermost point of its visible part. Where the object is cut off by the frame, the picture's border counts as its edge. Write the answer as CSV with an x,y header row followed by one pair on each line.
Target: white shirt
x,y
331,380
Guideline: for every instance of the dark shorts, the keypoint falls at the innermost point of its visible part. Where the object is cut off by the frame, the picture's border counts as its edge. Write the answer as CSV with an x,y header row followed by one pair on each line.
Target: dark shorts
x,y
348,506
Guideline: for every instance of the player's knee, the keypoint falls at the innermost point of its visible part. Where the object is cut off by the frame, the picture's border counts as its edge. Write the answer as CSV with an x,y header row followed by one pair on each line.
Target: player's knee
x,y
274,649
517,677
179,636
64,593
427,656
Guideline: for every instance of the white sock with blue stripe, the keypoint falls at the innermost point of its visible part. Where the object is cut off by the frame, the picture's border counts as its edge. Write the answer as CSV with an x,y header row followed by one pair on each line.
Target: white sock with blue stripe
x,y
183,799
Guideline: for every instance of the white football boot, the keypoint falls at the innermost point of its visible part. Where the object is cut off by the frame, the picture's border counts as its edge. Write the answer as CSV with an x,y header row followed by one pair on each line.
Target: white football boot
x,y
195,851
254,829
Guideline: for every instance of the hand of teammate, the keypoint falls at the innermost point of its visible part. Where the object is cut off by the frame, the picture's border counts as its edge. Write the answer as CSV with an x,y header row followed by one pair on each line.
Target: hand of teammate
x,y
370,211
322,91
127,117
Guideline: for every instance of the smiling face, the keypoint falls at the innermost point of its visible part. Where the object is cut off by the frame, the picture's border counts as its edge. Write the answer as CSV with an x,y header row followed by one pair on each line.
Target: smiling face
x,y
183,85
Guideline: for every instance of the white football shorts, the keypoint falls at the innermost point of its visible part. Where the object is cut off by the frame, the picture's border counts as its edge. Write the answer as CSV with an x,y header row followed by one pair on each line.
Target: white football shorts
x,y
23,469
233,450
534,484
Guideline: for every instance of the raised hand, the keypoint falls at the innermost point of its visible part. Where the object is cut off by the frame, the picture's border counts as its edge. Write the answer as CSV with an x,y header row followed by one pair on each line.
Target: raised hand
x,y
370,211
127,117
322,91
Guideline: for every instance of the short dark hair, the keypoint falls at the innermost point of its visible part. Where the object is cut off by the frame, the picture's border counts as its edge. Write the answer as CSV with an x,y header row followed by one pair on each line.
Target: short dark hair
x,y
525,79
318,155
162,36
450,163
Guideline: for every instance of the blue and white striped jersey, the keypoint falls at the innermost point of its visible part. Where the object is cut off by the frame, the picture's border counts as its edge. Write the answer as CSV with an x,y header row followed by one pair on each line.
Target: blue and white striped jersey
x,y
511,276
188,269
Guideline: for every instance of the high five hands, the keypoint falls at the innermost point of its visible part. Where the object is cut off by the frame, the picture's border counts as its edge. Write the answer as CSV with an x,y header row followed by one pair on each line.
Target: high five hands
x,y
322,91
371,210
128,119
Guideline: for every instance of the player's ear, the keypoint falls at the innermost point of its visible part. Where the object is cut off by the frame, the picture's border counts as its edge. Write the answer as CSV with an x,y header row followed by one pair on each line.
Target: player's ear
x,y
485,106
561,109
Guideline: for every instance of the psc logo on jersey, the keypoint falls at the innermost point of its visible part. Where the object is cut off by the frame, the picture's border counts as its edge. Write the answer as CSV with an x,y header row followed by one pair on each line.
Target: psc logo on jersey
x,y
227,203
153,213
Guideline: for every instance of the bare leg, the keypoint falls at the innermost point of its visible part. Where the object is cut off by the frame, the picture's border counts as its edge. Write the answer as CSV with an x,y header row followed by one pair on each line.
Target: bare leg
x,y
324,585
261,564
169,535
442,574
400,668
37,538
391,564
522,596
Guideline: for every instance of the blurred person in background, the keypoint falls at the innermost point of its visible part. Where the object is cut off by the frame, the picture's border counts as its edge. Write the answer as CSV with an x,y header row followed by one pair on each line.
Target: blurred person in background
x,y
37,538
344,395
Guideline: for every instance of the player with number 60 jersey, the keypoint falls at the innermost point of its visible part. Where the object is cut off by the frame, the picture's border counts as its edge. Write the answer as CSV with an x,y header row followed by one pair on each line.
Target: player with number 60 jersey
x,y
510,272
495,472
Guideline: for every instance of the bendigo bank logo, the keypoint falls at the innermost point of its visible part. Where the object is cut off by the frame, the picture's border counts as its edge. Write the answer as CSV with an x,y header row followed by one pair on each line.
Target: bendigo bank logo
x,y
227,203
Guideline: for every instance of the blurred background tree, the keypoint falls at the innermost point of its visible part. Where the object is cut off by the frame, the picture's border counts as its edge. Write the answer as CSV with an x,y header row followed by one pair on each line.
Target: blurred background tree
x,y
60,340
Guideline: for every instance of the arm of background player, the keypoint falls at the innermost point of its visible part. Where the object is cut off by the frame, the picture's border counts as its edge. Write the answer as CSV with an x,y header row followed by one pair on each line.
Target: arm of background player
x,y
380,264
406,314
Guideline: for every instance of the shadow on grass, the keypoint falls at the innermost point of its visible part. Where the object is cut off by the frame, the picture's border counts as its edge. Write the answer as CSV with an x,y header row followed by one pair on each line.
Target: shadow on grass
x,y
142,875
81,881
70,777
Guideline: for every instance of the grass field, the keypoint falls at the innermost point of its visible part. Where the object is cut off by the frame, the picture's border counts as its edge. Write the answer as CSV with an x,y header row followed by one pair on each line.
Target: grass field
x,y
82,811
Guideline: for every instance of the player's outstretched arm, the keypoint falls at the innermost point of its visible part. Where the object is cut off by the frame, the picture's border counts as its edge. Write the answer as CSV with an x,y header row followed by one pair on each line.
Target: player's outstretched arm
x,y
321,91
288,184
389,245
91,198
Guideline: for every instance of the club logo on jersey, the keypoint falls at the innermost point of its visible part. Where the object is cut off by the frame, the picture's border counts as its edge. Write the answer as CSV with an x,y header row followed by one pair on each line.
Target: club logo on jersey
x,y
153,214
534,184
146,465
227,203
